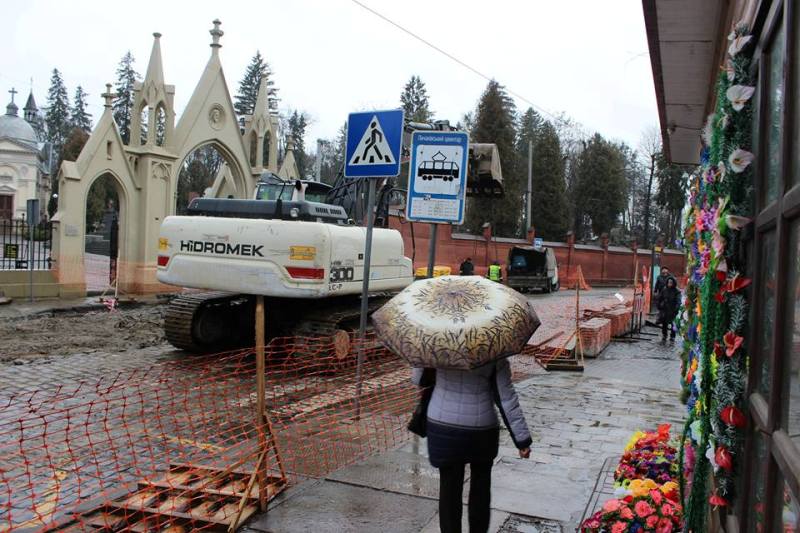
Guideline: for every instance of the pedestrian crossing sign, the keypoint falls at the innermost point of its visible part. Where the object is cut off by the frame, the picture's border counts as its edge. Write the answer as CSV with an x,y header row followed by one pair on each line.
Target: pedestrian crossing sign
x,y
374,141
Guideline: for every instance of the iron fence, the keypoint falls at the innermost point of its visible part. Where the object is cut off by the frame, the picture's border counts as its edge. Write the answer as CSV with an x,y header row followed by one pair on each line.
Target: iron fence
x,y
17,250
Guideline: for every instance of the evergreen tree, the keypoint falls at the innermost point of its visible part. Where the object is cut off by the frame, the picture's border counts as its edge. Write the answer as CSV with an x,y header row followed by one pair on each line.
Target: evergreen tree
x,y
57,117
671,197
601,186
78,116
414,100
297,129
122,107
549,210
245,99
530,124
72,149
495,123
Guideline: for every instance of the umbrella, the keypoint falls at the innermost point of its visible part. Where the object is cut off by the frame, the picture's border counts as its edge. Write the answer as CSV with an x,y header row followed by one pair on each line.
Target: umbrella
x,y
458,322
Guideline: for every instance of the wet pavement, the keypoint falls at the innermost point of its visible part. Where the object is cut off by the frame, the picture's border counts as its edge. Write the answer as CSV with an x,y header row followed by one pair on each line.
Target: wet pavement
x,y
578,421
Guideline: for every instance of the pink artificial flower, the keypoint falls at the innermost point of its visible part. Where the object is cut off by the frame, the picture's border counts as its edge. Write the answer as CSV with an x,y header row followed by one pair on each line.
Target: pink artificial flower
x,y
667,510
651,521
656,495
619,527
626,513
611,506
732,343
643,509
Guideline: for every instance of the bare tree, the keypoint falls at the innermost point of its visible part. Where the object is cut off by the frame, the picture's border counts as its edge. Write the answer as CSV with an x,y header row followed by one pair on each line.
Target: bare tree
x,y
649,150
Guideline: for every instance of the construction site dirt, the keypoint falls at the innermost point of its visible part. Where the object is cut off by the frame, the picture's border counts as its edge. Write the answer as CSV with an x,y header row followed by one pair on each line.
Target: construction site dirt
x,y
52,335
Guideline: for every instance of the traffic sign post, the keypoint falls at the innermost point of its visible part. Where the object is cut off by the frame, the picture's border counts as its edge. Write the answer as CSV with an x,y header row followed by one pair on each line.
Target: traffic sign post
x,y
437,181
374,141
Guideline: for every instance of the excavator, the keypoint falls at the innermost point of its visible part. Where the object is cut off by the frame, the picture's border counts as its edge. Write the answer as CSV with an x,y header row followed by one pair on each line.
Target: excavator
x,y
300,245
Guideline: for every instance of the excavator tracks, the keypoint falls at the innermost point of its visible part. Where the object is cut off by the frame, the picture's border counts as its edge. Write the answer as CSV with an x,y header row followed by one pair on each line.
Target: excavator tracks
x,y
215,321
183,321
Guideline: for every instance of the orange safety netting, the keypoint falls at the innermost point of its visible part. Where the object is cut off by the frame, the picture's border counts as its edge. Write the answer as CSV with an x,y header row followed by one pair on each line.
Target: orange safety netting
x,y
174,446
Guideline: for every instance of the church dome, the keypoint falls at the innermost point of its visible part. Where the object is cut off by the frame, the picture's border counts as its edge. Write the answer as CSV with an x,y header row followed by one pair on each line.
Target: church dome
x,y
16,127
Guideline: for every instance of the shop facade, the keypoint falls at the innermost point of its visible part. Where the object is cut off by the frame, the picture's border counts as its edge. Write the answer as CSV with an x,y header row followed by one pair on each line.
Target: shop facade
x,y
689,43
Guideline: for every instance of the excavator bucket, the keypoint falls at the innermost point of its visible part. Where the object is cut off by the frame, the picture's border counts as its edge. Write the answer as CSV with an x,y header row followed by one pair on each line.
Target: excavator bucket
x,y
484,177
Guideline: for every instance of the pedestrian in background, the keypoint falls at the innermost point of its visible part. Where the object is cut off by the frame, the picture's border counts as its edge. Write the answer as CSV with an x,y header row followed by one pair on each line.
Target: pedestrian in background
x,y
661,281
669,303
463,428
495,272
467,268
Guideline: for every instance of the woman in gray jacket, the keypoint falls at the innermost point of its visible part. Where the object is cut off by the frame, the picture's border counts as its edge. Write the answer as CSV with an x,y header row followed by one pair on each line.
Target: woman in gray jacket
x,y
463,429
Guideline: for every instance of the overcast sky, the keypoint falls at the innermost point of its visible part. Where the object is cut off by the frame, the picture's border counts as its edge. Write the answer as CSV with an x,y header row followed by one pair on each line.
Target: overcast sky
x,y
587,58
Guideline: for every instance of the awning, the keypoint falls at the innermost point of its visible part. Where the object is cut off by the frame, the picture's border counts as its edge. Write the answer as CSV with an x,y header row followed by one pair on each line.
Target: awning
x,y
684,40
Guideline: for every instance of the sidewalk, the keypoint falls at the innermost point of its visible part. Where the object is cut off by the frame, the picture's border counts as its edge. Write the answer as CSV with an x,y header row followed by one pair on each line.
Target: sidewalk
x,y
578,420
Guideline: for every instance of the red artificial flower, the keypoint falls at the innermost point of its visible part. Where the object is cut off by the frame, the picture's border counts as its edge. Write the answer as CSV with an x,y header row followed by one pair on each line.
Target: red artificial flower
x,y
667,510
664,526
657,496
721,275
733,416
651,521
720,297
719,351
736,283
723,458
626,513
643,509
717,501
732,343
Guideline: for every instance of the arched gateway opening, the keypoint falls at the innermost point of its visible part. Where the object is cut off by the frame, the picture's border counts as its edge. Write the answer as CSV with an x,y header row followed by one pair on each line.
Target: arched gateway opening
x,y
103,221
207,171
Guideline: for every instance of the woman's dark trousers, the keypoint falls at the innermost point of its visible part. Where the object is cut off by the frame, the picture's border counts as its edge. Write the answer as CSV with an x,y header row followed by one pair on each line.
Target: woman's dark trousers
x,y
451,485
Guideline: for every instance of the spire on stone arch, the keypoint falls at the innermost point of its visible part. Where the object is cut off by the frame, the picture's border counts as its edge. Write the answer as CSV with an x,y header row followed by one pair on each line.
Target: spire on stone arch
x,y
153,118
259,133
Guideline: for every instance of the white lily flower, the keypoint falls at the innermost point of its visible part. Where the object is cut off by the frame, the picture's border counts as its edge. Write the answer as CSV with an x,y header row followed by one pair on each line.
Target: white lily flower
x,y
739,95
740,159
737,44
729,70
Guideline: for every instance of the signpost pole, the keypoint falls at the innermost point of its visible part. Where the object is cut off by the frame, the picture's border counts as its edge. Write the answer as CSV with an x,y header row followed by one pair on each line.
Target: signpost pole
x,y
362,326
432,249
530,186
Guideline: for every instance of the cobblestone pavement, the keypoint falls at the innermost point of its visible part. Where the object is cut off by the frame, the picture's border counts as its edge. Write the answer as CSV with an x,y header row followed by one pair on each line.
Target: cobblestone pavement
x,y
578,421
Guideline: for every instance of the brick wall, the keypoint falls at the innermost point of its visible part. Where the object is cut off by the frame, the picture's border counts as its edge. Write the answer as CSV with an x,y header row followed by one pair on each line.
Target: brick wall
x,y
601,264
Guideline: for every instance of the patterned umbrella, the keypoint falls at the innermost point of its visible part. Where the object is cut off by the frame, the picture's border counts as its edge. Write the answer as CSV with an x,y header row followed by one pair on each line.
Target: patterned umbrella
x,y
455,322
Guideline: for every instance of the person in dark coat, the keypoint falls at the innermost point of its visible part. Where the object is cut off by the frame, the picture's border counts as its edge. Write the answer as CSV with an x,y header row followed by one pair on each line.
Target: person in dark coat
x,y
669,302
463,429
661,281
467,268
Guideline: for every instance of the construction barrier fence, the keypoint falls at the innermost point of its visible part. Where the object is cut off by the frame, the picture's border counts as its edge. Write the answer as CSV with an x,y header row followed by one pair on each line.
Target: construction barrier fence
x,y
175,446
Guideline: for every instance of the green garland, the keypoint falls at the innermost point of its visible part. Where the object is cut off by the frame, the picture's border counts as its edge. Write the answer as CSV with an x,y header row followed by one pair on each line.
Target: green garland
x,y
715,308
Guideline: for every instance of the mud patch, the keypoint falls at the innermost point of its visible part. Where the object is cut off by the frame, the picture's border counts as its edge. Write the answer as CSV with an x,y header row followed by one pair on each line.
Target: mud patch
x,y
36,337
527,524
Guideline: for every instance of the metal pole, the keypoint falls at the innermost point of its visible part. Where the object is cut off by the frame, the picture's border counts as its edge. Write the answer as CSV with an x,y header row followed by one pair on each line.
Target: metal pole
x,y
530,186
362,327
31,229
432,249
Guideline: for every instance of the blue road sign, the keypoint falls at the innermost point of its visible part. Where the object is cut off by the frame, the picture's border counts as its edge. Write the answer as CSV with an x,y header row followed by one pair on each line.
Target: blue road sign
x,y
437,177
374,140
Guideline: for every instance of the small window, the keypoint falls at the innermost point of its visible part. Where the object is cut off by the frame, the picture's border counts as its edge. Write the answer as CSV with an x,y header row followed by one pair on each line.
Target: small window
x,y
108,150
774,115
766,311
756,512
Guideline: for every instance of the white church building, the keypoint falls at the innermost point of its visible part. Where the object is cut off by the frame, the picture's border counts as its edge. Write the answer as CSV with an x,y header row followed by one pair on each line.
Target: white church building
x,y
24,161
